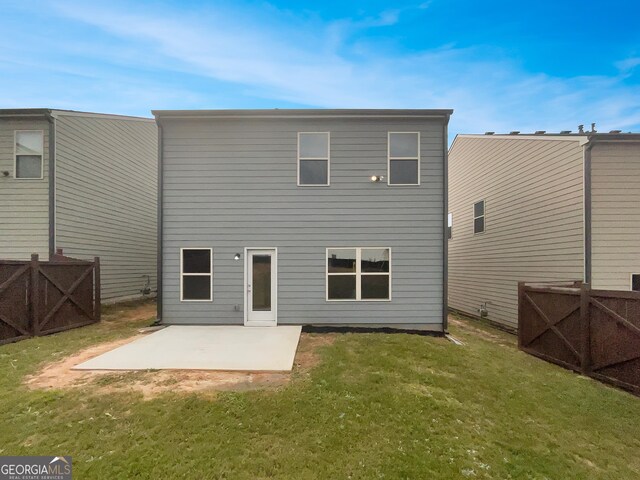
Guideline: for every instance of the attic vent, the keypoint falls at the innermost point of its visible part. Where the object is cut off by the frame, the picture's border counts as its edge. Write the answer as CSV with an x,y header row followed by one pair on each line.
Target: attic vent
x,y
615,131
540,132
515,132
489,133
565,132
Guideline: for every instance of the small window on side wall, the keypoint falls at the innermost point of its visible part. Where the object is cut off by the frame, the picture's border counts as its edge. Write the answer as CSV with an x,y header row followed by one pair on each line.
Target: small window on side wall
x,y
196,275
635,282
478,217
313,159
29,148
450,226
404,158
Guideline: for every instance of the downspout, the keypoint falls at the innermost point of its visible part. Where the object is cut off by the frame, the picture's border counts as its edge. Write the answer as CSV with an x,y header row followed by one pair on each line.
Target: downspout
x,y
587,211
159,220
52,182
445,224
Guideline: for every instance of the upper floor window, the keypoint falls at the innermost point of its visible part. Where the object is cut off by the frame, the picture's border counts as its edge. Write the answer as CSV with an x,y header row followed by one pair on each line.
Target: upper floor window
x,y
404,158
478,217
313,158
450,226
29,148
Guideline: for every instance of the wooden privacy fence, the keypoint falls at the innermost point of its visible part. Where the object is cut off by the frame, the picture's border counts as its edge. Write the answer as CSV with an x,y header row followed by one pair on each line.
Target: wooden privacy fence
x,y
594,332
39,298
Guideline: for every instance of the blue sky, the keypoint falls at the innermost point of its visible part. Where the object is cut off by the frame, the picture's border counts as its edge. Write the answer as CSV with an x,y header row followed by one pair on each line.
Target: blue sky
x,y
503,65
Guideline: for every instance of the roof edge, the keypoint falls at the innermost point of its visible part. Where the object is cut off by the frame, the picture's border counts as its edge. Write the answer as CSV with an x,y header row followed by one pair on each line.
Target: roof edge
x,y
33,112
303,113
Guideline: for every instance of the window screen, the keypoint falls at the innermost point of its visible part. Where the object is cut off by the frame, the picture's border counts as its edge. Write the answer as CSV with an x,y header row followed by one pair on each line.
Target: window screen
x,y
404,158
28,150
358,274
313,158
478,217
196,274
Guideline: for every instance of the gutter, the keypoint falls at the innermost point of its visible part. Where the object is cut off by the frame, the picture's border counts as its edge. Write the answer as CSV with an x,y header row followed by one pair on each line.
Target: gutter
x,y
159,219
445,225
587,147
52,182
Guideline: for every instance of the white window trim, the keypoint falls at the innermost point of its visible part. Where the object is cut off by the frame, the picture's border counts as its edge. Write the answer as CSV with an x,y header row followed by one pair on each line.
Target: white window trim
x,y
327,158
358,274
210,274
484,215
15,155
631,275
390,158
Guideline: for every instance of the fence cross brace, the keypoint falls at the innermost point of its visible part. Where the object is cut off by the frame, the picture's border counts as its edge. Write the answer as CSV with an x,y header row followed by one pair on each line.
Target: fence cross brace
x,y
67,295
552,326
13,325
616,316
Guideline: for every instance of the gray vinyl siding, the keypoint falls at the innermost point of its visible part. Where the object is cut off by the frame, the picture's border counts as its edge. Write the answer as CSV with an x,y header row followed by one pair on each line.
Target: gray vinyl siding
x,y
533,192
232,183
615,203
24,204
106,197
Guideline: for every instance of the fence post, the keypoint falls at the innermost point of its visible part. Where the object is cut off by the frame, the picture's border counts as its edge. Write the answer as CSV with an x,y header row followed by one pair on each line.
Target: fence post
x,y
97,303
520,319
34,296
585,326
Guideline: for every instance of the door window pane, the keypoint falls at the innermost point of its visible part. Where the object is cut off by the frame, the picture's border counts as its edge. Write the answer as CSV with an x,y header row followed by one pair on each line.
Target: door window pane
x,y
375,287
403,172
196,287
375,260
342,287
342,261
29,166
314,172
314,145
261,287
196,261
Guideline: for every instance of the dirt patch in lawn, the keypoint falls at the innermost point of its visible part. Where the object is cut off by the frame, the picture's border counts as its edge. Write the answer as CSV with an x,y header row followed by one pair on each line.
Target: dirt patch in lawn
x,y
482,331
127,312
59,375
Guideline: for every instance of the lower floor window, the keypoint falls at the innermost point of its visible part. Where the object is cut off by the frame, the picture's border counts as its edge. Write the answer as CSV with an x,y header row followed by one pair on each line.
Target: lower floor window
x,y
358,273
635,282
196,274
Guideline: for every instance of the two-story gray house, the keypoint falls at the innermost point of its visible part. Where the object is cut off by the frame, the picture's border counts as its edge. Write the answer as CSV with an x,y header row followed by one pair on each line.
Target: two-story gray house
x,y
541,207
84,183
303,217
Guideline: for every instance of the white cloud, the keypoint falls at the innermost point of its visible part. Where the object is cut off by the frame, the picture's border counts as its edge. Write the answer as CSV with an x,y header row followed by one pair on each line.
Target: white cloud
x,y
303,60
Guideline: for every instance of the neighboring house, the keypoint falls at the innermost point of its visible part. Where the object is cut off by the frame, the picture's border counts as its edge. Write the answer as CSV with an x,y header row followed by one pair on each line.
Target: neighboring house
x,y
323,217
85,183
541,207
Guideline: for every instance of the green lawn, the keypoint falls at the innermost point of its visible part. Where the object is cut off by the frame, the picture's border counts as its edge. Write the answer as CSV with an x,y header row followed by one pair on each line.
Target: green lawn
x,y
377,406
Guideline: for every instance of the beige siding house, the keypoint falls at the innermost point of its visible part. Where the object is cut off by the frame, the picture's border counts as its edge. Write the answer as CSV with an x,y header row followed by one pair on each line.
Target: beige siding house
x,y
540,207
85,183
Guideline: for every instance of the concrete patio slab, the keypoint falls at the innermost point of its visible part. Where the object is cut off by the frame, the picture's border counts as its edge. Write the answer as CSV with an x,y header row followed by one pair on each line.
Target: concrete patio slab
x,y
208,347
